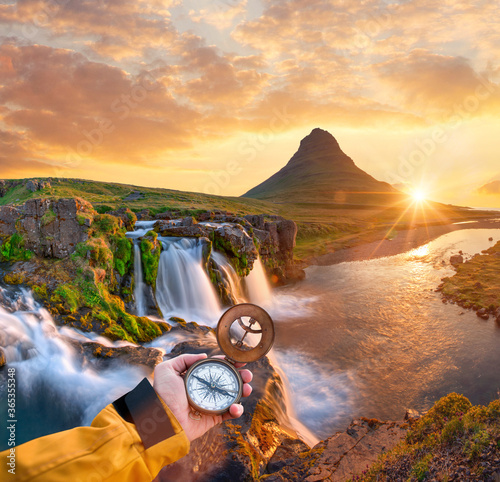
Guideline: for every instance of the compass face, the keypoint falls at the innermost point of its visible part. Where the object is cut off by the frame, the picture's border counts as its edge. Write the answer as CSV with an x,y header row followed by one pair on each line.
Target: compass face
x,y
213,385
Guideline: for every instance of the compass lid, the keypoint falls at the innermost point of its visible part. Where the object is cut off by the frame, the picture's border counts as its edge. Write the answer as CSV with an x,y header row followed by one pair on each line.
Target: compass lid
x,y
246,315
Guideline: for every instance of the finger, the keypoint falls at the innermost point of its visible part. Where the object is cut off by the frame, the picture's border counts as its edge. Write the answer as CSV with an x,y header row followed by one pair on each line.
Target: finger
x,y
235,411
246,376
247,390
237,364
181,363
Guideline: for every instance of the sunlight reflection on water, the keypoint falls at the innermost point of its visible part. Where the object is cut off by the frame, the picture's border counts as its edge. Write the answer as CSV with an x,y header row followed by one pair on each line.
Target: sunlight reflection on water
x,y
382,322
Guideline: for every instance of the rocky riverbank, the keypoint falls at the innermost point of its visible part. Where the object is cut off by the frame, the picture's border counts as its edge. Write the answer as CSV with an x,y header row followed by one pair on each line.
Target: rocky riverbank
x,y
476,283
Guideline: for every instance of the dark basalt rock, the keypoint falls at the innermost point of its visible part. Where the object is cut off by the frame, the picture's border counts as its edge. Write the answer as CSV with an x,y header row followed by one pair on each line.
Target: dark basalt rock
x,y
101,356
49,228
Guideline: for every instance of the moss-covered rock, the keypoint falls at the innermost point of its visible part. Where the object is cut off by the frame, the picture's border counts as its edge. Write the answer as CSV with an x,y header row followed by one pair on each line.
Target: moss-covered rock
x,y
150,254
454,440
12,249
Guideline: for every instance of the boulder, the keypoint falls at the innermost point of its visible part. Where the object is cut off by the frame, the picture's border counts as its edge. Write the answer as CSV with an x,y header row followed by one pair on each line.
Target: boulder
x,y
144,215
128,217
101,356
8,218
32,185
344,455
288,452
236,243
276,236
167,216
53,228
188,221
483,313
287,233
456,259
164,228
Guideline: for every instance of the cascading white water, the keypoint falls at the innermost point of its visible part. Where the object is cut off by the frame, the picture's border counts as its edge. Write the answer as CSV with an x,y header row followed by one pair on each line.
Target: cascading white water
x,y
140,303
258,288
230,276
141,228
55,390
183,287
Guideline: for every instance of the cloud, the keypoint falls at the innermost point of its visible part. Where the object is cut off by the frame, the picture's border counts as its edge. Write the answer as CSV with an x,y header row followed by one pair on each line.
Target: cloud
x,y
114,28
220,14
65,103
434,84
492,187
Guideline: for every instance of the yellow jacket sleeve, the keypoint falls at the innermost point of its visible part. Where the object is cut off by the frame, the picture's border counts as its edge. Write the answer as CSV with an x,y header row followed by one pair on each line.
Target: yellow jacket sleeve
x,y
111,449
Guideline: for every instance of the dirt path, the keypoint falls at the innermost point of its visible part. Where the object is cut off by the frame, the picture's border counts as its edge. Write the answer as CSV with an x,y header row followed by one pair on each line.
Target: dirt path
x,y
402,242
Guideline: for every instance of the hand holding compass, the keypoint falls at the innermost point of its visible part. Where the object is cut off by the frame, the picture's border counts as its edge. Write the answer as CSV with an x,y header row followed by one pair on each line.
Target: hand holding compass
x,y
172,387
213,385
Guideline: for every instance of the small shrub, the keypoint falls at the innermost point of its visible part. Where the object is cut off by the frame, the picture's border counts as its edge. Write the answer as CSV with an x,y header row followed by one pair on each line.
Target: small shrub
x,y
476,445
421,468
103,209
106,224
452,429
49,216
13,249
41,291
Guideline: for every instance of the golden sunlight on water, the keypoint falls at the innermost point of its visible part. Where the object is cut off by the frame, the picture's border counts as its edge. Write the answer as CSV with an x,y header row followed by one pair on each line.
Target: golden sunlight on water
x,y
378,339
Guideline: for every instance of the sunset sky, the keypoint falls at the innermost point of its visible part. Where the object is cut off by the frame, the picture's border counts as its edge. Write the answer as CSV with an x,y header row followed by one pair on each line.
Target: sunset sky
x,y
215,96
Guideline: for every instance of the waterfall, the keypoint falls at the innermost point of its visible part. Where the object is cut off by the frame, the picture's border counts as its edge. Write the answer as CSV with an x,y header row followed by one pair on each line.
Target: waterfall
x,y
141,228
140,304
257,285
183,287
55,390
230,276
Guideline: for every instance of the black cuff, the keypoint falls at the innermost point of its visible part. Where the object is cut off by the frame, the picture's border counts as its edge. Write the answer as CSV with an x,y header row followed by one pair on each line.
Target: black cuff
x,y
143,408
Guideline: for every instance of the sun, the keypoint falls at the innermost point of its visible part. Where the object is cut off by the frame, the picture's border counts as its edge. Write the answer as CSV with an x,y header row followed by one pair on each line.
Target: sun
x,y
418,195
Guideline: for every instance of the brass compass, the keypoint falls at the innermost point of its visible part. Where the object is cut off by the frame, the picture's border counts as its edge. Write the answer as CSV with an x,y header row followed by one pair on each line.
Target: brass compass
x,y
214,384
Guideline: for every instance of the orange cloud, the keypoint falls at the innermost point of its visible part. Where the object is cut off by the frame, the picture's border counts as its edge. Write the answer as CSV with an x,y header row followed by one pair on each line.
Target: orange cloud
x,y
434,84
492,187
62,101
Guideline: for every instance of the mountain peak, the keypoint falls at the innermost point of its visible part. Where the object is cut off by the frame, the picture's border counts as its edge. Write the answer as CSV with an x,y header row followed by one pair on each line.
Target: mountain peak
x,y
318,171
320,136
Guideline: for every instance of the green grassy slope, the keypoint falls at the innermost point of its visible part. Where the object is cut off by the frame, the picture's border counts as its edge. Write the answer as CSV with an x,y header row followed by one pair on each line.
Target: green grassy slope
x,y
114,195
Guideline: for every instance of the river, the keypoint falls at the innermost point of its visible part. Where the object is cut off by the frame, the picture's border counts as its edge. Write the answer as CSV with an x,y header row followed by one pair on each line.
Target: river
x,y
375,338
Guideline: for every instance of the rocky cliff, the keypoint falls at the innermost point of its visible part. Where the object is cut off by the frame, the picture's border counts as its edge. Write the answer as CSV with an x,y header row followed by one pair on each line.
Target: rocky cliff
x,y
50,229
